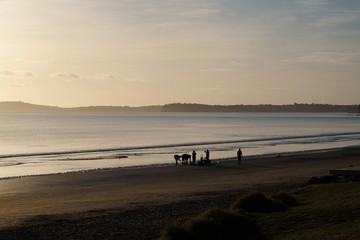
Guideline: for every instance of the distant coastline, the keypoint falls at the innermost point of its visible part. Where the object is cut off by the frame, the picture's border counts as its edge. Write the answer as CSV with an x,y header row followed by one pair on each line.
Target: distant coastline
x,y
19,106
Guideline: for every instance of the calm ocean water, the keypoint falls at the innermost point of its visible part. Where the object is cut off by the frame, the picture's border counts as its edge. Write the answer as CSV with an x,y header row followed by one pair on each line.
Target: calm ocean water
x,y
43,143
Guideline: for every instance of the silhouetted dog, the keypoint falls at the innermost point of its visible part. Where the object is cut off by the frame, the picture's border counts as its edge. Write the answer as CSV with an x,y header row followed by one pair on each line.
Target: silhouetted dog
x,y
177,158
185,158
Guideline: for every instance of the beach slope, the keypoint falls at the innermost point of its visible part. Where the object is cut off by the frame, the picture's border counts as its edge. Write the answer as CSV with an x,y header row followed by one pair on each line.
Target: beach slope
x,y
136,203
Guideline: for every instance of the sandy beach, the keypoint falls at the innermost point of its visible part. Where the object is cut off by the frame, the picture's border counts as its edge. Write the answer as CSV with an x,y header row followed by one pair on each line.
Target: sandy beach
x,y
135,203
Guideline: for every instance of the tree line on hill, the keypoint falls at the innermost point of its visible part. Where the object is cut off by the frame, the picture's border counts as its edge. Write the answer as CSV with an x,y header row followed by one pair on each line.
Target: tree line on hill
x,y
296,107
185,107
27,107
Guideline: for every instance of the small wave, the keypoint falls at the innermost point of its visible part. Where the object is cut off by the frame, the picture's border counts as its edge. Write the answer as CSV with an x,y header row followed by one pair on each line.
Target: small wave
x,y
8,164
217,160
91,158
251,140
293,153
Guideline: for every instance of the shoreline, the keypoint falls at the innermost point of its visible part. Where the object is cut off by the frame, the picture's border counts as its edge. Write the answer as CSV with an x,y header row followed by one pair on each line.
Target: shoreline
x,y
114,149
129,188
114,198
155,165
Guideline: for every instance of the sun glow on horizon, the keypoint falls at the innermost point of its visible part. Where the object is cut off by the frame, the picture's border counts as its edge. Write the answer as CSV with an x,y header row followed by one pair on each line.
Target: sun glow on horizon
x,y
92,52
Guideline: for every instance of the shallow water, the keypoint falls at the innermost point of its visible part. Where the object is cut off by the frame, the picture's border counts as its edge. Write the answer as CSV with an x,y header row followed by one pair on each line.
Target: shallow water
x,y
43,143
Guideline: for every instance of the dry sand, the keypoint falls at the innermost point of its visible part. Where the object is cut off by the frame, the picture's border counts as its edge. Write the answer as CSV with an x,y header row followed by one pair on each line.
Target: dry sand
x,y
116,201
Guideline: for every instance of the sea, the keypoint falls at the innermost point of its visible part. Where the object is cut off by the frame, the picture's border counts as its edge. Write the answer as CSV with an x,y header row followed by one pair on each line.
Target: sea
x,y
54,143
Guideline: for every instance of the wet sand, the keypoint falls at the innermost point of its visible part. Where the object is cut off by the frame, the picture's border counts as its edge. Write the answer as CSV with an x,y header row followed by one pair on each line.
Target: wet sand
x,y
116,201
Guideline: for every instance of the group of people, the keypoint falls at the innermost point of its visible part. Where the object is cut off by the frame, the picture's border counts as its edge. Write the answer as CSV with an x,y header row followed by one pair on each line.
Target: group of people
x,y
191,159
203,161
207,156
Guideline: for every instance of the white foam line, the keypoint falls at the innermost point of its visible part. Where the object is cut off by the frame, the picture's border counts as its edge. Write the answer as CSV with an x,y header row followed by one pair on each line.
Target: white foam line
x,y
178,145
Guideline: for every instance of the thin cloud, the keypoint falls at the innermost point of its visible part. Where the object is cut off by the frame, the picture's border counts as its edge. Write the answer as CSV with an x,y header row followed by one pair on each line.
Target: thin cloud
x,y
215,89
279,88
7,73
65,75
157,12
200,13
103,76
27,74
18,85
217,70
18,73
135,79
339,58
22,60
313,3
338,19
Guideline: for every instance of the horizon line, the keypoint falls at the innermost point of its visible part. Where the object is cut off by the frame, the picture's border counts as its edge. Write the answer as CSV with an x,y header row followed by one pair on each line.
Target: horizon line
x,y
183,103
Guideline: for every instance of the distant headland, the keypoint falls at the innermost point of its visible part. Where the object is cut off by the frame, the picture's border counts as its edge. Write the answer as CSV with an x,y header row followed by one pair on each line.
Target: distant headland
x,y
19,106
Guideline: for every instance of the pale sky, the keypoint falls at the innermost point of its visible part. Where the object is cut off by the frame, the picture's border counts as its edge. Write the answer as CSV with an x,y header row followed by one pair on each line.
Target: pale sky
x,y
144,52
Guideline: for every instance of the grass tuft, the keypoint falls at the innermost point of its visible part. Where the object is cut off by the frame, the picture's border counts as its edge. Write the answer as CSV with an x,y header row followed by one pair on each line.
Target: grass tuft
x,y
286,199
257,203
327,211
214,224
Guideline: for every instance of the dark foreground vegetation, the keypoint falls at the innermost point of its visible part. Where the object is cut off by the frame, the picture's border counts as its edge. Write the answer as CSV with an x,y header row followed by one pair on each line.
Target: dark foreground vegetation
x,y
327,211
233,223
318,211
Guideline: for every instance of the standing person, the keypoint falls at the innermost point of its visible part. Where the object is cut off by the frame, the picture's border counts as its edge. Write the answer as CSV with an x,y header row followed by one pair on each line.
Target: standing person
x,y
239,155
207,154
194,157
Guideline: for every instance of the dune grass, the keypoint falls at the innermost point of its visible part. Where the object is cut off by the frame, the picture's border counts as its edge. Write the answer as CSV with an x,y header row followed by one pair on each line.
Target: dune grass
x,y
257,203
325,211
214,224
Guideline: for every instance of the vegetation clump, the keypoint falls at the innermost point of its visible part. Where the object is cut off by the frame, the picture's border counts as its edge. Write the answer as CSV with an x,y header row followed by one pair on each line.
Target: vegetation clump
x,y
286,199
235,223
335,205
323,180
257,203
214,224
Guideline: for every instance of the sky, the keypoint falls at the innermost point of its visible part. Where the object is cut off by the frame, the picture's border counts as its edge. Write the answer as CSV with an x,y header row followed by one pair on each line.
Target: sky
x,y
152,52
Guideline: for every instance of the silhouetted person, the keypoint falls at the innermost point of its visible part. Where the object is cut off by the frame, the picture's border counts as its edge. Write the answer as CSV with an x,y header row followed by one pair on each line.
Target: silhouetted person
x,y
194,157
239,155
207,155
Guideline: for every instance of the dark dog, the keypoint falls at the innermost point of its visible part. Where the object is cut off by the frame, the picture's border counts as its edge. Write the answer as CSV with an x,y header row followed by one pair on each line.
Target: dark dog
x,y
185,158
177,158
